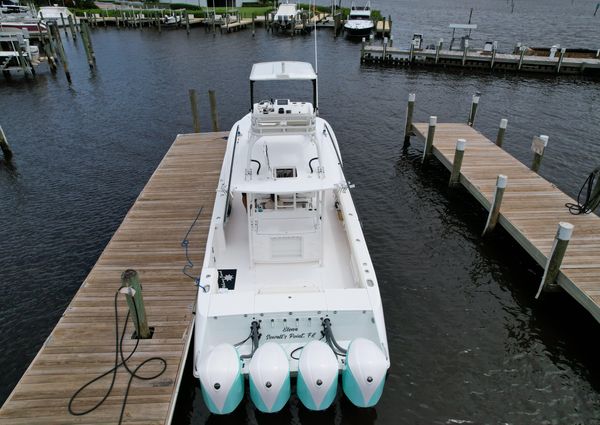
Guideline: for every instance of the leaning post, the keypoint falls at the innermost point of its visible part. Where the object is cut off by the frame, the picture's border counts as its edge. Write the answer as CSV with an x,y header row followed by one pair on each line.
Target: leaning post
x,y
4,146
559,247
459,153
213,110
494,213
132,289
409,117
474,105
194,105
429,140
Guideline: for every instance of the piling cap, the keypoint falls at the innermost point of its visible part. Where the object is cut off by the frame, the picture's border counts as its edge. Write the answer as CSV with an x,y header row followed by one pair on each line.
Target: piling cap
x,y
503,123
565,231
544,139
412,97
501,181
461,144
432,120
476,97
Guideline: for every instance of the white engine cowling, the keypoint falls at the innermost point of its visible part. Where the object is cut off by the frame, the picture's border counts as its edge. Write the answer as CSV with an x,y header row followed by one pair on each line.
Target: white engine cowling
x,y
269,378
221,379
364,375
317,376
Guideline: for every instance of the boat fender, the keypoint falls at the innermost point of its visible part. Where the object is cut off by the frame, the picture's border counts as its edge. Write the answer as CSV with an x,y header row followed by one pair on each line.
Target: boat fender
x,y
364,375
221,379
317,376
269,378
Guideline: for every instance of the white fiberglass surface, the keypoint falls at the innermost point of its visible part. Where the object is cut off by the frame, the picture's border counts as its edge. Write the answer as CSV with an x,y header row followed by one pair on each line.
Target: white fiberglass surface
x,y
334,272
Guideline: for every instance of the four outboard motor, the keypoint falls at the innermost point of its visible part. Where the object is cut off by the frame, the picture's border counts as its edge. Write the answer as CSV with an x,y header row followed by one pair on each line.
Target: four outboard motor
x,y
270,378
221,379
365,371
317,376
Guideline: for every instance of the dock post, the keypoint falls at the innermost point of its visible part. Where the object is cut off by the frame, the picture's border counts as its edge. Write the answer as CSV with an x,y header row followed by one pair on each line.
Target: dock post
x,y
494,51
559,247
4,146
187,22
64,24
409,117
72,27
438,47
86,47
384,50
522,50
133,292
459,153
362,50
159,23
61,51
473,112
465,50
492,219
194,105
213,110
253,25
411,54
538,146
560,59
47,50
429,140
501,131
391,41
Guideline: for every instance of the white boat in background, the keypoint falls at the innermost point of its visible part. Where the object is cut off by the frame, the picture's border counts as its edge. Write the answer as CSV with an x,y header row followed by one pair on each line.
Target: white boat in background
x,y
359,22
53,13
171,20
287,287
286,16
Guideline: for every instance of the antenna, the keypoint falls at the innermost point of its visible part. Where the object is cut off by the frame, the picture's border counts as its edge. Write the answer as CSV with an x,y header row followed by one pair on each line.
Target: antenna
x,y
316,58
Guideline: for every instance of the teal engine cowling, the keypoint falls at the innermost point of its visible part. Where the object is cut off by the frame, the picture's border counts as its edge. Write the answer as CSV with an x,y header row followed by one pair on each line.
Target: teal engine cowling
x,y
317,376
364,375
221,379
269,378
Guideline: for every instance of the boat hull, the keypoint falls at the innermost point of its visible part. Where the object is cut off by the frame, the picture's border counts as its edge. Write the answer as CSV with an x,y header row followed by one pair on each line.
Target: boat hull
x,y
355,31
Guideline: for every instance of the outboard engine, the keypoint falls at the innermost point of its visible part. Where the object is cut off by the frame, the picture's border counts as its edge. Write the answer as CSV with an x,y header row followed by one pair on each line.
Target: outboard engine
x,y
269,378
365,371
317,376
221,379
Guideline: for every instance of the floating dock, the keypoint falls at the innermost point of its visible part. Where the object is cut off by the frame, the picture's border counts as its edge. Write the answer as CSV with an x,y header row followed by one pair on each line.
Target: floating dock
x,y
531,208
82,345
386,54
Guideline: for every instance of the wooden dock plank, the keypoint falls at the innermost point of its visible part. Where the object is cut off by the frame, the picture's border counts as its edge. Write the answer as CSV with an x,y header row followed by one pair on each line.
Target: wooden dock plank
x,y
82,345
531,208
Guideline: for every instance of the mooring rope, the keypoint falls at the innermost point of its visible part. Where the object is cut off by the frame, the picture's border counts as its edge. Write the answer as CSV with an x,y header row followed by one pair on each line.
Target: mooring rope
x,y
119,353
189,264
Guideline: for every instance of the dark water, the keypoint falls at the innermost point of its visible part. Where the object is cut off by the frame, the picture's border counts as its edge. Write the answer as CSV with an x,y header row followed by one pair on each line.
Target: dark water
x,y
469,344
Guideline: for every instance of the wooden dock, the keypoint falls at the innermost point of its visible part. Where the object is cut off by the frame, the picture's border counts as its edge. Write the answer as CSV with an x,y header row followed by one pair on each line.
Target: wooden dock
x,y
82,345
387,54
531,208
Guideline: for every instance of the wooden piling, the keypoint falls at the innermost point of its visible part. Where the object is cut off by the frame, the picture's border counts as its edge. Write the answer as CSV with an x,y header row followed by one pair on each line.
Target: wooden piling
x,y
61,50
473,111
501,131
135,301
46,48
4,146
521,57
559,247
86,45
213,110
560,59
465,50
253,25
438,47
459,153
494,212
494,51
194,105
429,140
187,23
64,25
72,27
538,146
409,117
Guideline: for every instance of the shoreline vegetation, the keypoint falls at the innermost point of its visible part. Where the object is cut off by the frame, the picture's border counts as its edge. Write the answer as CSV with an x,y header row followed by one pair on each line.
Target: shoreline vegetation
x,y
246,11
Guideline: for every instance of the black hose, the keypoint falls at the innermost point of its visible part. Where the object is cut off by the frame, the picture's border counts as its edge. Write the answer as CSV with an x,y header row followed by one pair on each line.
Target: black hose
x,y
310,163
337,348
584,207
258,162
255,335
117,364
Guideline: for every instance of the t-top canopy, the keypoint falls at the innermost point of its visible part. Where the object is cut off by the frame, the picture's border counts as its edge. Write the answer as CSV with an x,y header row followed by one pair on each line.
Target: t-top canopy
x,y
268,71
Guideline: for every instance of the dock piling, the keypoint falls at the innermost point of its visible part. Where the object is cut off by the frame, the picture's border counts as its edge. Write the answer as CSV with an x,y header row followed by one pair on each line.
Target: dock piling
x,y
538,146
438,47
135,301
501,131
521,57
72,27
560,59
61,50
473,112
559,247
465,51
194,105
213,110
429,140
409,117
187,23
459,153
494,51
6,151
62,20
494,213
